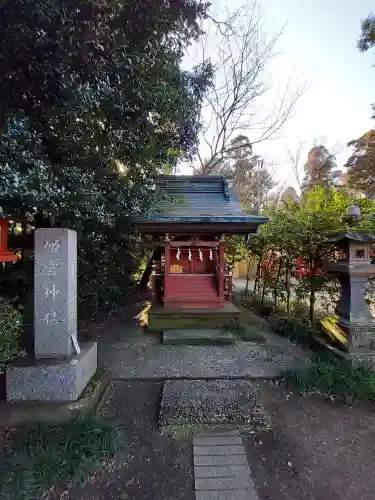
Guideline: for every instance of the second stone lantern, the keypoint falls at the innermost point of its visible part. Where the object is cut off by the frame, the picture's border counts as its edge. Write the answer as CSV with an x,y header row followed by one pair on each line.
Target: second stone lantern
x,y
352,266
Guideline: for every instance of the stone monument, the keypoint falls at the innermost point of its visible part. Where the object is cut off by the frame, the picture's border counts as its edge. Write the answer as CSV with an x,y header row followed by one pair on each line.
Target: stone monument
x,y
61,368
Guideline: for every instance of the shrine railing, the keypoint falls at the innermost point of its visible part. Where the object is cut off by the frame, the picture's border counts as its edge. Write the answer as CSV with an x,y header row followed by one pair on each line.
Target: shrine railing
x,y
228,283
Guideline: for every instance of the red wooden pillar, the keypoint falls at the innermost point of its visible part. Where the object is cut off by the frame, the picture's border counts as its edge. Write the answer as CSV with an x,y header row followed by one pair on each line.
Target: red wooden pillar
x,y
221,271
167,268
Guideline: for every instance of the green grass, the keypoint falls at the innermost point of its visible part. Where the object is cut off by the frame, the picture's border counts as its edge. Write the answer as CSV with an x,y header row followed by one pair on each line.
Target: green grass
x,y
335,379
233,326
249,332
42,456
93,384
187,431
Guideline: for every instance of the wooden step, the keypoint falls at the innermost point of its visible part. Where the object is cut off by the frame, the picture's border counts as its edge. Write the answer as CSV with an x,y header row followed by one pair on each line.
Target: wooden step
x,y
163,318
199,336
188,293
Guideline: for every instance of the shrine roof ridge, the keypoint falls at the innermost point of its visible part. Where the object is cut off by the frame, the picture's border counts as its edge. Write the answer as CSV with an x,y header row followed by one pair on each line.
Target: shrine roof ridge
x,y
254,219
195,198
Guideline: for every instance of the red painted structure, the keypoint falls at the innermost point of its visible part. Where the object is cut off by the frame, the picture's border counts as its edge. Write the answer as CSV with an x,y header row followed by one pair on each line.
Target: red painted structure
x,y
5,254
197,279
188,268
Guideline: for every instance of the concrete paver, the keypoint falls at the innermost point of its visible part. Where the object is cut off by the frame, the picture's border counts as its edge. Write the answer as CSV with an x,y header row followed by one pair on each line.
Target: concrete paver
x,y
221,470
222,483
218,450
216,441
224,495
217,460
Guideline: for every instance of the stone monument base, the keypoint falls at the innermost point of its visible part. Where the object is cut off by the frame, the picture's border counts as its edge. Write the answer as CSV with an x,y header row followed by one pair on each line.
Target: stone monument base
x,y
363,358
51,379
361,337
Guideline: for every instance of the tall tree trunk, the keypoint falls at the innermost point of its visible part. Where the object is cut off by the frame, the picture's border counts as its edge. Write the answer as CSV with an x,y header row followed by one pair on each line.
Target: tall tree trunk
x,y
277,282
312,294
287,285
248,269
266,272
257,277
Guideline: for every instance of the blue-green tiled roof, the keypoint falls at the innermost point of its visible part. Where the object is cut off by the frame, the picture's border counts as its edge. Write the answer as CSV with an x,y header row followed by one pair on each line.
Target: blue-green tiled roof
x,y
198,199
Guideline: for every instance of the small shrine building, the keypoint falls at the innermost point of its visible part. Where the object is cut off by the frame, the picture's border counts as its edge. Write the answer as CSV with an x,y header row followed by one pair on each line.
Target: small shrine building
x,y
189,225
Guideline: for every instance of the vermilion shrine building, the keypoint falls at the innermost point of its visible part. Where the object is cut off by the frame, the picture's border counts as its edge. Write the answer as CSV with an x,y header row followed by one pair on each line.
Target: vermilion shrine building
x,y
189,223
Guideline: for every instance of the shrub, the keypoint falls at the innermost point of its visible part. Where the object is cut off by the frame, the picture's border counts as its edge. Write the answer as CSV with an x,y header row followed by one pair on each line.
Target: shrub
x,y
335,378
252,301
295,330
10,330
42,456
233,326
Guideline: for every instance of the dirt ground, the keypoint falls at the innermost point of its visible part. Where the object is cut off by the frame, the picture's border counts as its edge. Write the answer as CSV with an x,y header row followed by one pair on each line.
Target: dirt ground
x,y
156,467
317,449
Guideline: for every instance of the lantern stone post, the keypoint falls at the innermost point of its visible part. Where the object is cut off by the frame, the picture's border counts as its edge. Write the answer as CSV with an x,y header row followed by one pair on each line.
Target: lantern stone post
x,y
353,268
61,367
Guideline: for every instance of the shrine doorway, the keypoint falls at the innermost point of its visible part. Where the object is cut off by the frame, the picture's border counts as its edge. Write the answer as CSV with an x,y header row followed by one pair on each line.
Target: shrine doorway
x,y
191,260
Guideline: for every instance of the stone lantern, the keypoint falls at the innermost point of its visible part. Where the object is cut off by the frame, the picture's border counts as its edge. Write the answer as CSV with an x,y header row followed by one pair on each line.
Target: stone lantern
x,y
352,266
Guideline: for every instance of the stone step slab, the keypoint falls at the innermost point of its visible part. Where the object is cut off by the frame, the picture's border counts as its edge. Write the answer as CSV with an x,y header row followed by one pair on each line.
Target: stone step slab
x,y
217,440
226,474
219,460
199,336
221,471
223,483
225,495
218,450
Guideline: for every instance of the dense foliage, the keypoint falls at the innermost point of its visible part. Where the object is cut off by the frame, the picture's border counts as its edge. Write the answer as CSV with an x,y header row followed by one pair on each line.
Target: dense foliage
x,y
93,103
361,164
335,379
292,245
10,331
320,168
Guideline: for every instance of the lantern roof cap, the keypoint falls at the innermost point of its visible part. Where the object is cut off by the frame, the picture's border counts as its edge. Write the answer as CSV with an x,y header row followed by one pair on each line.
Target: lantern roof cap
x,y
351,235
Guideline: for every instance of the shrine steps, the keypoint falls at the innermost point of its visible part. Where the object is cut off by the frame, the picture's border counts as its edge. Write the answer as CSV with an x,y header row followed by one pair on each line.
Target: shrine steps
x,y
211,303
164,318
193,291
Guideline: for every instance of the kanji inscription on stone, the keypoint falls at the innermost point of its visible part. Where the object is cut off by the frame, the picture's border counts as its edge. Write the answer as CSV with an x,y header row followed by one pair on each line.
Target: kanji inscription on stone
x,y
55,292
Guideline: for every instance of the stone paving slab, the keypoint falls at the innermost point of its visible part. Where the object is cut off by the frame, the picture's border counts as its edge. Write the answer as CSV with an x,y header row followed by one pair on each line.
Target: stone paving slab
x,y
218,460
218,450
217,440
210,401
203,336
223,483
222,471
209,433
225,480
225,495
136,359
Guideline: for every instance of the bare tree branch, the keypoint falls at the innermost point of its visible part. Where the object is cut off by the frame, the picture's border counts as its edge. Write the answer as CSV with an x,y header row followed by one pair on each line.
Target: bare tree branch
x,y
241,51
295,158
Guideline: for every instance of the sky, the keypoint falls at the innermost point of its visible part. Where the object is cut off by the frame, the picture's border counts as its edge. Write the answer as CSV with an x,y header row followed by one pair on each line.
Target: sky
x,y
318,46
